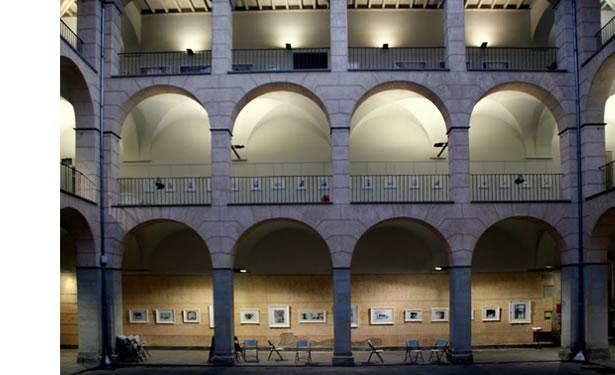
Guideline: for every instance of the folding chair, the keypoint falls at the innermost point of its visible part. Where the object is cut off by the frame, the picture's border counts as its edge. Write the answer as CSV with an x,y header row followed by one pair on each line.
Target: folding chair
x,y
238,348
374,350
303,346
413,351
276,350
439,351
250,345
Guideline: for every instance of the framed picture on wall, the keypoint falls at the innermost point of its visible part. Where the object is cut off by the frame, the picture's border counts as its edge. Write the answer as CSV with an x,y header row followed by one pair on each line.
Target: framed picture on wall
x,y
520,312
211,316
138,316
354,316
381,315
190,185
279,316
439,314
413,315
169,185
491,314
366,183
278,183
249,316
255,184
191,315
301,183
323,183
390,182
165,316
312,316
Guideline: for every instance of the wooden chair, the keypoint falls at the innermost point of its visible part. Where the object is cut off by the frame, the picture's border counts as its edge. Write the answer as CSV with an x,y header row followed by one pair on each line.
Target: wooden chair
x,y
276,350
374,350
413,351
303,346
439,350
250,345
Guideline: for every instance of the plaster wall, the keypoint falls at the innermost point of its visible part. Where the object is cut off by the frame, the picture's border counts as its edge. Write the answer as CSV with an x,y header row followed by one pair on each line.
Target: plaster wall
x,y
67,130
498,28
69,323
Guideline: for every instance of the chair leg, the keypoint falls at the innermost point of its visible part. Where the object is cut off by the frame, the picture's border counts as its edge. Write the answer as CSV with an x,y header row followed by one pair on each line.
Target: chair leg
x,y
379,356
406,357
279,355
270,354
370,357
417,357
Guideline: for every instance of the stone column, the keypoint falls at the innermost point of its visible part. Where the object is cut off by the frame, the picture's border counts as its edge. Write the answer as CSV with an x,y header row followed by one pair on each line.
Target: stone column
x,y
221,36
564,35
459,164
87,144
338,35
114,303
454,35
113,37
112,167
342,335
340,164
460,316
592,138
88,310
596,287
588,24
220,167
568,160
569,310
88,30
223,316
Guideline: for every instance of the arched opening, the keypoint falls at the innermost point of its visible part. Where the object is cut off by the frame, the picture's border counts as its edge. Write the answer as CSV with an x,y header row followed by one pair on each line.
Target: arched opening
x,y
167,296
67,132
400,287
283,286
165,152
516,287
514,149
608,170
281,150
398,149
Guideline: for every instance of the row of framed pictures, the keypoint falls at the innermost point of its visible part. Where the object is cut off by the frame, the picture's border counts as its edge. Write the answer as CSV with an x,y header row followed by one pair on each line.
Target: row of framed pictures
x,y
167,316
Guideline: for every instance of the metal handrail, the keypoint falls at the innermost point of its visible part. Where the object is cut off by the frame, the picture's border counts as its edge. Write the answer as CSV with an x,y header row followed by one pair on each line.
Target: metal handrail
x,y
164,191
399,188
512,58
165,63
70,37
398,58
606,33
74,182
608,175
280,59
280,189
516,187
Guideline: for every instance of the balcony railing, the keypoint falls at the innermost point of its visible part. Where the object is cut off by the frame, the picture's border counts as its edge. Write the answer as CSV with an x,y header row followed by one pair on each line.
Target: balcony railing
x,y
70,37
280,190
399,188
406,58
165,63
516,187
169,191
74,182
519,59
606,33
280,60
608,175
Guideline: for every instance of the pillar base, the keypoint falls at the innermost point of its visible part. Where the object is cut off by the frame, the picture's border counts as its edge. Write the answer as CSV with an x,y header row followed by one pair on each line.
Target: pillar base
x,y
342,360
460,357
88,358
223,360
597,354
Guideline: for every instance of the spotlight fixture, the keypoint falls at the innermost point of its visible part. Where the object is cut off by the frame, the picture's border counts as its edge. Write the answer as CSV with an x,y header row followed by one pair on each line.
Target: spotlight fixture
x,y
483,45
288,46
442,145
234,148
159,184
519,180
243,270
549,267
189,51
438,268
385,46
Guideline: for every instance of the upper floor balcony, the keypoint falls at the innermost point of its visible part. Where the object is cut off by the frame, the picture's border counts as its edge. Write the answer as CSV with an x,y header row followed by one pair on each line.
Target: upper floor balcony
x,y
76,183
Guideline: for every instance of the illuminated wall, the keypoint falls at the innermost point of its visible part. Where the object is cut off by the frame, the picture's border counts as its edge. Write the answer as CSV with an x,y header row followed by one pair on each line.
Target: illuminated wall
x,y
67,130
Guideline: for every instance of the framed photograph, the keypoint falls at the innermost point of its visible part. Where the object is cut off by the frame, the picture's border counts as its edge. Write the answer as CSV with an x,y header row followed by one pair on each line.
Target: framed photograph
x,y
148,186
138,316
312,316
191,316
520,312
165,316
190,185
301,184
234,184
390,182
169,184
323,183
437,184
278,184
249,316
354,316
491,314
414,183
439,314
548,315
472,314
255,184
366,183
381,315
211,316
279,316
413,315
505,182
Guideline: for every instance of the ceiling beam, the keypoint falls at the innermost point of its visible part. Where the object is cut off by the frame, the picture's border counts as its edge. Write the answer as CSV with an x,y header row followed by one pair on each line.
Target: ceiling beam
x,y
179,7
191,5
148,6
65,6
519,3
425,4
610,3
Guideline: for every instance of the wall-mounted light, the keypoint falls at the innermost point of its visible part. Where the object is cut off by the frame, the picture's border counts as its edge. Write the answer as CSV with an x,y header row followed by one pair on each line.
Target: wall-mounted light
x,y
442,145
438,268
243,270
234,148
519,180
549,267
483,45
159,184
189,51
288,46
385,46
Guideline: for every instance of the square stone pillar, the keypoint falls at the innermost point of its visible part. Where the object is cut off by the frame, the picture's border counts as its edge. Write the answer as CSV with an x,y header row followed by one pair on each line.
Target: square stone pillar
x,y
221,36
340,164
342,335
564,35
569,311
459,164
220,167
114,304
113,37
588,24
596,288
89,315
223,316
338,35
454,35
87,142
112,167
593,157
88,30
568,160
460,322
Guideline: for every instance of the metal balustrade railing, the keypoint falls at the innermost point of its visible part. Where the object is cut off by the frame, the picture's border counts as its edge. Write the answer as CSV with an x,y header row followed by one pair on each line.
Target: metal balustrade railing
x,y
74,182
608,175
167,191
606,33
280,189
516,187
399,188
280,59
165,63
512,58
402,58
70,37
